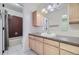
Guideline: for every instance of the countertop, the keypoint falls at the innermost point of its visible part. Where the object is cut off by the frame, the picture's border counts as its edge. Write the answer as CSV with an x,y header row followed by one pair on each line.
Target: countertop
x,y
59,38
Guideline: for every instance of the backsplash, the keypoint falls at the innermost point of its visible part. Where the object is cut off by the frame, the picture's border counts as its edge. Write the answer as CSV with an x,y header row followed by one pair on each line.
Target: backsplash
x,y
36,29
72,27
73,30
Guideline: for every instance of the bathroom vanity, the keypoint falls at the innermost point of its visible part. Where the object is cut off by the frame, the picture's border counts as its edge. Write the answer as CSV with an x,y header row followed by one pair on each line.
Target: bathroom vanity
x,y
57,45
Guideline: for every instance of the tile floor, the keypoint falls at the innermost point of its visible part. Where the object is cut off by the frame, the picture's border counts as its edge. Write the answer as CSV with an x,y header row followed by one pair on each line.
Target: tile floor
x,y
15,48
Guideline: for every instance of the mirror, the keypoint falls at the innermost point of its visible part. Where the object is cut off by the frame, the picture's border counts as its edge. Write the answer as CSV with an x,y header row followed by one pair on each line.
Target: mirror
x,y
53,12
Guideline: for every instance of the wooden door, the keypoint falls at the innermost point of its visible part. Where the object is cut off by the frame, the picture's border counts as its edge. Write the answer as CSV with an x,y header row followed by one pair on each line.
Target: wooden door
x,y
15,26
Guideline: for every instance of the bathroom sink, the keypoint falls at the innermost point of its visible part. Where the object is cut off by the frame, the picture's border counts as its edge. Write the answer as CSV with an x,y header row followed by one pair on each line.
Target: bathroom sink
x,y
48,34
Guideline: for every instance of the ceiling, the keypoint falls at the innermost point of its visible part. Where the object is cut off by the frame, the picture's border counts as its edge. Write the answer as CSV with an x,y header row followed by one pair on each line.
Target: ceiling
x,y
19,6
14,6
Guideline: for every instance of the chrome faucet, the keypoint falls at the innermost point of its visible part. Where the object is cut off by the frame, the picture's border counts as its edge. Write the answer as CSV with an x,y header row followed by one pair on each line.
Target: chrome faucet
x,y
45,24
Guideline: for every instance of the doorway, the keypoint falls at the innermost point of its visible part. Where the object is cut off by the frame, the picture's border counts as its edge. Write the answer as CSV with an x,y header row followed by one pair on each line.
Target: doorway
x,y
14,26
14,30
12,23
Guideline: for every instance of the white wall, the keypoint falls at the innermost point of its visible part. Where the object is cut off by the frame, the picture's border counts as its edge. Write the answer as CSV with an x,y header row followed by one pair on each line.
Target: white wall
x,y
27,22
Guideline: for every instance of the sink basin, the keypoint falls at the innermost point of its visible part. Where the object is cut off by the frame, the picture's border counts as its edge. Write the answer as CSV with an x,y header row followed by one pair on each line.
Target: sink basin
x,y
48,34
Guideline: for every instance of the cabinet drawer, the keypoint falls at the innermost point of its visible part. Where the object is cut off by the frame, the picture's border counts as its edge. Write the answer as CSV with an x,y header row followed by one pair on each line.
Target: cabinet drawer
x,y
31,37
51,42
63,52
39,39
71,48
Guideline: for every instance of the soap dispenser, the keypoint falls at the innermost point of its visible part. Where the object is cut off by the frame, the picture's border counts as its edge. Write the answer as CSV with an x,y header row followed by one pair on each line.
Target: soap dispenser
x,y
64,23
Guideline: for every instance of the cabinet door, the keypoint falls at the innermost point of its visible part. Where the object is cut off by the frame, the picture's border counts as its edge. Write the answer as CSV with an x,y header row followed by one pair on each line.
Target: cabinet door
x,y
51,42
37,18
32,43
63,52
34,14
73,12
50,50
71,48
39,47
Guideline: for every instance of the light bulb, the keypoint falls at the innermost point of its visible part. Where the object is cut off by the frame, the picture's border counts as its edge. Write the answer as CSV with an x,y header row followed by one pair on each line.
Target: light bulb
x,y
46,11
52,9
54,6
43,10
49,7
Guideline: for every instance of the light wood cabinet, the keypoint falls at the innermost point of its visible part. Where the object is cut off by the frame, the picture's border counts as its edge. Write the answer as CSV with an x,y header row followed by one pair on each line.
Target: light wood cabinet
x,y
32,43
39,39
51,42
51,47
73,10
50,50
36,44
39,47
63,52
37,19
71,48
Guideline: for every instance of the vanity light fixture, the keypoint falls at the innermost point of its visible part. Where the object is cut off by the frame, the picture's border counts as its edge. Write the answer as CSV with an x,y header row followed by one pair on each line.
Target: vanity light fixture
x,y
51,8
44,11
